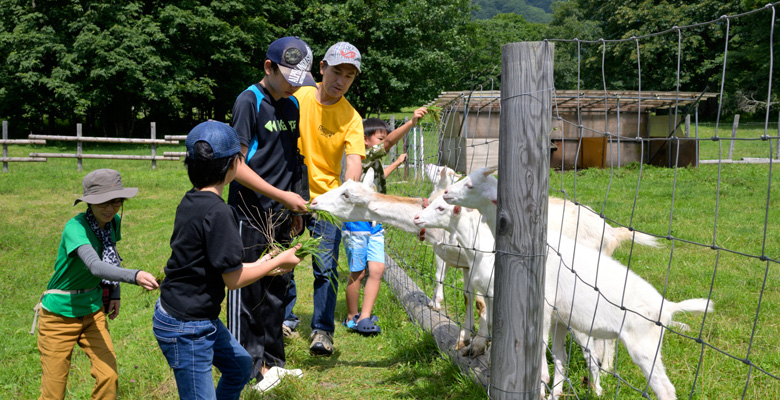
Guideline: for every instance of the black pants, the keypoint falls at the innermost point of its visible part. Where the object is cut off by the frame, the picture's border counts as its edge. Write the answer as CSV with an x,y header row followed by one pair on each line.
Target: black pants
x,y
255,313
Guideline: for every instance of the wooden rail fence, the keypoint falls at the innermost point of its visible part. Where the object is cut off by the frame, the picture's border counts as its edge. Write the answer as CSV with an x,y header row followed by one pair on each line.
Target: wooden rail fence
x,y
5,141
80,139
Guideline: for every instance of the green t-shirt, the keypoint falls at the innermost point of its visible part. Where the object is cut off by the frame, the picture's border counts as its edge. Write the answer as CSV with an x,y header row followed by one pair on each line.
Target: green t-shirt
x,y
70,273
373,161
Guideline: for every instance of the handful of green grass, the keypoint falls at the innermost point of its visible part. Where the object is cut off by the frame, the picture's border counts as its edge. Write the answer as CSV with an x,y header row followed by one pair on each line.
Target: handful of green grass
x,y
309,246
326,216
434,115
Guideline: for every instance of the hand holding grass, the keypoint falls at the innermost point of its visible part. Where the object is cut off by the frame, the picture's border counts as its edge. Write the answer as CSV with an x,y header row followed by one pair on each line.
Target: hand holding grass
x,y
287,259
146,280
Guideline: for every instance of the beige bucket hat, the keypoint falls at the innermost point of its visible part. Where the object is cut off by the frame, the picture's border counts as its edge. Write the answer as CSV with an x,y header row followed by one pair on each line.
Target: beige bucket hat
x,y
103,185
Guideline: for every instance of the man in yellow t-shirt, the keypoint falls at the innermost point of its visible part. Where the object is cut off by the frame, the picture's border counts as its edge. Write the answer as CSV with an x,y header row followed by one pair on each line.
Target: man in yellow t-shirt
x,y
329,127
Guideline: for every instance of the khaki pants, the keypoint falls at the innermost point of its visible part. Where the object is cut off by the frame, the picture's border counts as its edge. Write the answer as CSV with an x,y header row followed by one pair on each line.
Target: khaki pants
x,y
56,337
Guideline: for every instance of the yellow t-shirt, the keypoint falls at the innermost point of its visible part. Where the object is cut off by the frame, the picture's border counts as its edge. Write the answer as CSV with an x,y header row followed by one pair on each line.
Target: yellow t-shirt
x,y
327,132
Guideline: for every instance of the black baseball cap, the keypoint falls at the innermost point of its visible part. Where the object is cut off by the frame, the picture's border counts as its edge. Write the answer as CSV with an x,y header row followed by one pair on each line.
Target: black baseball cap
x,y
294,58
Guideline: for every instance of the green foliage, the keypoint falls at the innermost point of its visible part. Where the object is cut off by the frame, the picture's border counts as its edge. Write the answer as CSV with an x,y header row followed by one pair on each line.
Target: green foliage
x,y
109,64
410,48
700,54
532,10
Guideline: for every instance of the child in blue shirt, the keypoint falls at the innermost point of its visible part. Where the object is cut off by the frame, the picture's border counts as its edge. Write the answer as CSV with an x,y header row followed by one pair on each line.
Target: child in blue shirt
x,y
364,241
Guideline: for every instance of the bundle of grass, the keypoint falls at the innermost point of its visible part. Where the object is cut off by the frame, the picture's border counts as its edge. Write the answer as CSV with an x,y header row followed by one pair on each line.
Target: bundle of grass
x,y
326,216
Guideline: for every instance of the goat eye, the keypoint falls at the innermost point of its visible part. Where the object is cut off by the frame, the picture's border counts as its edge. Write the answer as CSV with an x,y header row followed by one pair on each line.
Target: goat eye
x,y
346,195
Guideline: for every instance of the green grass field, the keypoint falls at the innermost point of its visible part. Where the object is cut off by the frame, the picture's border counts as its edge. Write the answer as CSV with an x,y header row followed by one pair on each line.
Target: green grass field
x,y
738,212
37,198
691,210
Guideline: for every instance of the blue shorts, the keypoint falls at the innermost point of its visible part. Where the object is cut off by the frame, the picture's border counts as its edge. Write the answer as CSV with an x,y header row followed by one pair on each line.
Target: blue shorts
x,y
362,247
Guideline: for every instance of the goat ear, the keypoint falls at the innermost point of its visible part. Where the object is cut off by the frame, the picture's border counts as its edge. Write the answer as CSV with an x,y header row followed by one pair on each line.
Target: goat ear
x,y
368,180
489,170
456,210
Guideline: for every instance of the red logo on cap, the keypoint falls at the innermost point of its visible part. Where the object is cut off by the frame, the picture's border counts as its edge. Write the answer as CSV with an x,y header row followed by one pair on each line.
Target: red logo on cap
x,y
349,54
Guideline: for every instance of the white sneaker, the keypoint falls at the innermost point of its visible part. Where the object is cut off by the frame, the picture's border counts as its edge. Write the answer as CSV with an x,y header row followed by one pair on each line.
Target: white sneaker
x,y
273,378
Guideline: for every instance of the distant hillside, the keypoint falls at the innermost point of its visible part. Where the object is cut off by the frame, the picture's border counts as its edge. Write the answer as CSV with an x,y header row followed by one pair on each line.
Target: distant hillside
x,y
531,10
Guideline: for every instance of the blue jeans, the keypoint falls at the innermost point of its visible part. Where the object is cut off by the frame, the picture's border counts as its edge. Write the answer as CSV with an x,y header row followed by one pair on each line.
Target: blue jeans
x,y
192,347
325,267
291,319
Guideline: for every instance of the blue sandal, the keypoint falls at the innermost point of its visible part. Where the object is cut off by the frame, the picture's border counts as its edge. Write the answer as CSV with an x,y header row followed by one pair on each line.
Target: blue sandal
x,y
367,327
351,324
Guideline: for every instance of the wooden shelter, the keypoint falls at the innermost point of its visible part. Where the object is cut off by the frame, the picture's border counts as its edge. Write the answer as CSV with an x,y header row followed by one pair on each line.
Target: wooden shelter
x,y
591,128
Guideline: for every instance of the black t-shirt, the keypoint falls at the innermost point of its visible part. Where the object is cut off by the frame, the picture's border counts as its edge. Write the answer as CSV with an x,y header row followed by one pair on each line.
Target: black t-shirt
x,y
204,245
269,129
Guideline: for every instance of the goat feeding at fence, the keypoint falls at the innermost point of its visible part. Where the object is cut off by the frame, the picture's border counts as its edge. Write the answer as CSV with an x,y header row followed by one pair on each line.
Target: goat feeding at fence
x,y
637,320
480,190
354,201
472,232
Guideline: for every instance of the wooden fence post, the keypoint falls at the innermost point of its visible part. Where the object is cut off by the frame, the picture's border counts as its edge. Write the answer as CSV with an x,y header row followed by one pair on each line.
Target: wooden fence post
x,y
78,147
521,224
392,128
696,133
154,146
733,135
5,147
406,150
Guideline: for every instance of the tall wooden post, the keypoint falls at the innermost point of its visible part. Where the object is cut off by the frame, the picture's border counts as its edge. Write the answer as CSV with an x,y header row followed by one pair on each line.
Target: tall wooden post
x,y
78,147
406,150
734,128
154,146
521,237
778,139
392,128
5,147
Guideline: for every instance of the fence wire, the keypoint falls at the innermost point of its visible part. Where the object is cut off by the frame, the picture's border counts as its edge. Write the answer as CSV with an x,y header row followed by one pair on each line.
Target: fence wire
x,y
716,243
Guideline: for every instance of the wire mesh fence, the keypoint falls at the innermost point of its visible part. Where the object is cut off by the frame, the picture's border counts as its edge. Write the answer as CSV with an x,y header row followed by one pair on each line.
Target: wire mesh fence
x,y
659,282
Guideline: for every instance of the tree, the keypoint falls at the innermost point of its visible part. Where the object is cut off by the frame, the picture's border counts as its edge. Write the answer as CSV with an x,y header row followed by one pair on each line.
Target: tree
x,y
107,64
410,48
482,61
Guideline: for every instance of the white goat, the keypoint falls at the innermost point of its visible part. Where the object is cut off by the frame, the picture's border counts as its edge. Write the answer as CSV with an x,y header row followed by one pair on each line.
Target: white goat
x,y
468,229
605,318
354,201
442,177
636,328
472,231
480,190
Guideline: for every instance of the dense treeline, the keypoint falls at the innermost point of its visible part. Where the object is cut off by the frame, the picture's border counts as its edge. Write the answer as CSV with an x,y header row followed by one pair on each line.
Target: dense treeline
x,y
702,49
115,66
531,10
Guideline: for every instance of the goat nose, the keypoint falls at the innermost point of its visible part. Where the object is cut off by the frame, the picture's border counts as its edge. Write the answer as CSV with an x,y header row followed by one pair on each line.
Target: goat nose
x,y
313,202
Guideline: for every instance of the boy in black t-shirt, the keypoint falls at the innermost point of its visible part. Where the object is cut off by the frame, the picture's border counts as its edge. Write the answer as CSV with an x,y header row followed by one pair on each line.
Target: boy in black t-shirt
x,y
206,257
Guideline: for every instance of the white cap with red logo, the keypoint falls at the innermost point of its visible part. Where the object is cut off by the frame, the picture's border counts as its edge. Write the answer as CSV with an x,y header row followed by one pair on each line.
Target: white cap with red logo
x,y
343,53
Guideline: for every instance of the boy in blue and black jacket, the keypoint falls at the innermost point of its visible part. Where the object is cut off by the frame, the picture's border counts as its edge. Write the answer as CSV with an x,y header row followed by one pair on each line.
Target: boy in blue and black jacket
x,y
268,189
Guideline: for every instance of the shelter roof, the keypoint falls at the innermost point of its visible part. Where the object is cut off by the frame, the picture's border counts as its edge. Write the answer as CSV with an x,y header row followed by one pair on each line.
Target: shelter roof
x,y
584,100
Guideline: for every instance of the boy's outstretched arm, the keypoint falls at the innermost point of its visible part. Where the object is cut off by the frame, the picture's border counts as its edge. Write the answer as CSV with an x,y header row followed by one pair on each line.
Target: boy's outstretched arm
x,y
247,177
390,168
396,135
269,264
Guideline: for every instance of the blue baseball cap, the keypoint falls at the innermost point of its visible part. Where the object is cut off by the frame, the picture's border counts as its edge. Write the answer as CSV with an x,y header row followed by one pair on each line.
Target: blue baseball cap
x,y
294,58
220,136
